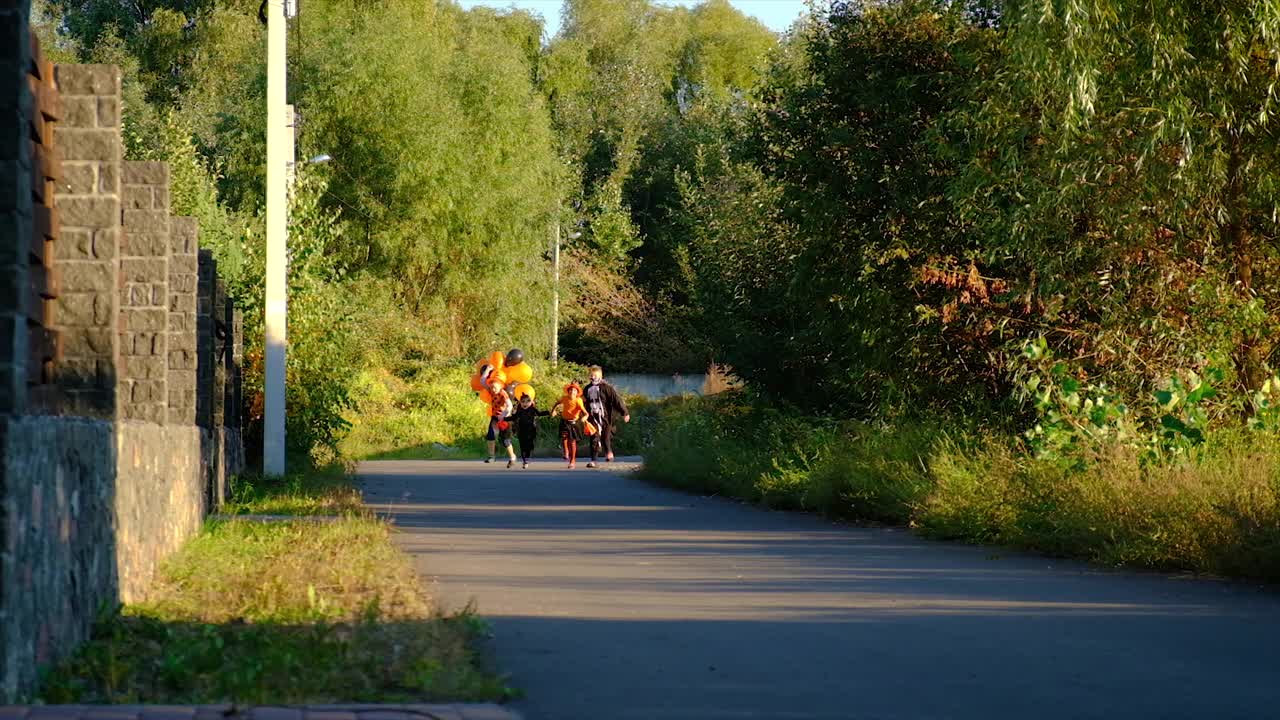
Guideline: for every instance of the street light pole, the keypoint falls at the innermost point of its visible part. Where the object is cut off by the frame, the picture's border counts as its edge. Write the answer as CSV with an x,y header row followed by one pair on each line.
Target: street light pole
x,y
555,293
278,147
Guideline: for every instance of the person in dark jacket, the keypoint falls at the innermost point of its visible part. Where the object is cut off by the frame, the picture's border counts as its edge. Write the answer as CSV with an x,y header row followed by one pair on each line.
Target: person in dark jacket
x,y
525,422
605,407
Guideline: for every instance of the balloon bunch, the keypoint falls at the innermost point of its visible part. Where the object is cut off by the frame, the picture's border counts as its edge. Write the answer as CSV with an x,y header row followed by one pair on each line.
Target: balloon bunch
x,y
510,371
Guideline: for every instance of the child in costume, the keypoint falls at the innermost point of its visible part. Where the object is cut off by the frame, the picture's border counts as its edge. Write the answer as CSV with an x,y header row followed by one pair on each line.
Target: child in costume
x,y
572,412
499,428
525,422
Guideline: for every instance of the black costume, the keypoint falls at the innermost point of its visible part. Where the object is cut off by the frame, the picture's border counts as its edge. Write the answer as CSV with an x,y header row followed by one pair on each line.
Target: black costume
x,y
524,420
604,405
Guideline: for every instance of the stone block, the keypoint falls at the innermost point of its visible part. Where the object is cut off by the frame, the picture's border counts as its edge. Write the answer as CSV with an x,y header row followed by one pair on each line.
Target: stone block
x,y
177,359
146,173
13,288
144,321
91,212
74,245
182,304
109,178
143,270
184,265
146,221
77,309
136,197
79,178
87,342
83,144
106,244
86,276
143,367
88,79
109,112
79,111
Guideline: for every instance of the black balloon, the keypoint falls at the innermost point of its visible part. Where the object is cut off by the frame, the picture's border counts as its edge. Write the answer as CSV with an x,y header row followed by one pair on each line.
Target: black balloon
x,y
515,356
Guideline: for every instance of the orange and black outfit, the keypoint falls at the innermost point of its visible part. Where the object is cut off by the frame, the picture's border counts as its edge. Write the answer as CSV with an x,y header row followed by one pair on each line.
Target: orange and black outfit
x,y
499,408
572,413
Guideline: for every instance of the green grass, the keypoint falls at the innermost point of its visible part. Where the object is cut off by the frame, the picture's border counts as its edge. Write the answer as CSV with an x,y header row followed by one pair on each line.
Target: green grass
x,y
295,611
326,491
1215,511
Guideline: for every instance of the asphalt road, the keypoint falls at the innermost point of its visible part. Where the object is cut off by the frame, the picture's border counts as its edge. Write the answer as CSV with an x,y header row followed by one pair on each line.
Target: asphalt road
x,y
613,599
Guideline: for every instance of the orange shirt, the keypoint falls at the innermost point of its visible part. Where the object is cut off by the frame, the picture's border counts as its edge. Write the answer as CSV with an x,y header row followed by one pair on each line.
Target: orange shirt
x,y
572,408
500,404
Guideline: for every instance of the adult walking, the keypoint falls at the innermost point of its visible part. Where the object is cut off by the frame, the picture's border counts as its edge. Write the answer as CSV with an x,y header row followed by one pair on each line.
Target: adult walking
x,y
604,406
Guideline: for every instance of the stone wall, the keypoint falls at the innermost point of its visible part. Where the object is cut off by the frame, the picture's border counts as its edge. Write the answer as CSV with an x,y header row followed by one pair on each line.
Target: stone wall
x,y
143,428
59,562
160,498
88,203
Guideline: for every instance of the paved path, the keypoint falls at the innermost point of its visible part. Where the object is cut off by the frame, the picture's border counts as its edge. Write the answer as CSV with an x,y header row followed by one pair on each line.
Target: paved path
x,y
615,600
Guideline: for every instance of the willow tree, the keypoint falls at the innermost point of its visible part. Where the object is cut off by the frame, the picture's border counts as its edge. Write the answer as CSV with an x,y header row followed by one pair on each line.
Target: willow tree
x,y
443,163
1125,177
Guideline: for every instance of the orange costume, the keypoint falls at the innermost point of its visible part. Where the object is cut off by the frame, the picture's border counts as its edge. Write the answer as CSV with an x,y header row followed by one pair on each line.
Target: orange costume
x,y
571,411
500,405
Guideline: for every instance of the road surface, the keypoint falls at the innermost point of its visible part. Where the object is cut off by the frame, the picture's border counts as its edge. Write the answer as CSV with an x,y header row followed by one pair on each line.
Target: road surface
x,y
615,600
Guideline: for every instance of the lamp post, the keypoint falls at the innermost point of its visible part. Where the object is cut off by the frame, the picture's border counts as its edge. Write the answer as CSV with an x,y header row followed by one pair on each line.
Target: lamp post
x,y
279,146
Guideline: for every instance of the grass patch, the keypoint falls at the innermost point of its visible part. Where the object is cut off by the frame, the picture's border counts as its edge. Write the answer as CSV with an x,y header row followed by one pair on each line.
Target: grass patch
x,y
297,611
1216,510
325,491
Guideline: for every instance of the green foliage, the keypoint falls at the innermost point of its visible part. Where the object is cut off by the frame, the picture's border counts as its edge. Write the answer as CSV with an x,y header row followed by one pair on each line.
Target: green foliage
x,y
812,223
440,140
323,352
1214,508
631,87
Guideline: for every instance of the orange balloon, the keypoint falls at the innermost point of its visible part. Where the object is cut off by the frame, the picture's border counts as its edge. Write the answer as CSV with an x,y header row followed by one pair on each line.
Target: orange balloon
x,y
520,372
497,359
475,383
486,396
525,390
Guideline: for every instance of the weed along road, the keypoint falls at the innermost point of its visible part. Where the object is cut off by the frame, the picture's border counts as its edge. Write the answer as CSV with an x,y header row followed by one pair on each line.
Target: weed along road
x,y
613,599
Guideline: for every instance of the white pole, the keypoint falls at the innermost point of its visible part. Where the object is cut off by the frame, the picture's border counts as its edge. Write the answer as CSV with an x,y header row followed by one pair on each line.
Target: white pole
x,y
277,237
555,294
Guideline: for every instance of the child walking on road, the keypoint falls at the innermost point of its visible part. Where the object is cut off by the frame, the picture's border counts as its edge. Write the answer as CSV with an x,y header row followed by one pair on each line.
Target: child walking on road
x,y
572,412
525,422
499,428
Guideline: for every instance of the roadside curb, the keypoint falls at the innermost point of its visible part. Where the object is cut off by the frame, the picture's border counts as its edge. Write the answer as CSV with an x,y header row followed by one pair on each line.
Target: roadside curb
x,y
453,711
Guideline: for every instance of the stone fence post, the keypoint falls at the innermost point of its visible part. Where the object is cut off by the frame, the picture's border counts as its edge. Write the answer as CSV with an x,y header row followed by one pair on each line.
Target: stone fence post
x,y
15,204
183,271
144,293
88,202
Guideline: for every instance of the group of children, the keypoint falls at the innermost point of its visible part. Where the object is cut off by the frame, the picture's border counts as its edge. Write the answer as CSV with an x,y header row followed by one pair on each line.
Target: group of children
x,y
521,419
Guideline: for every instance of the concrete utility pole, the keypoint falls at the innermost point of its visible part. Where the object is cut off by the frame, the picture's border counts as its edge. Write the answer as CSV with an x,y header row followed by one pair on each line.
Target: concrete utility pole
x,y
555,293
279,145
